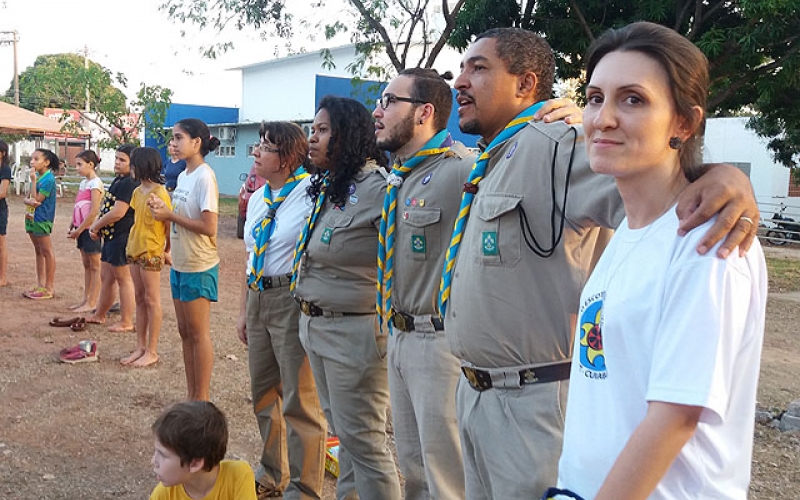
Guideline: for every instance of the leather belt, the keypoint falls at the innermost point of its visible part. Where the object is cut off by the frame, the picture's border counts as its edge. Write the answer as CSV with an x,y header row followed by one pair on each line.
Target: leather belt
x,y
267,282
313,310
480,380
405,322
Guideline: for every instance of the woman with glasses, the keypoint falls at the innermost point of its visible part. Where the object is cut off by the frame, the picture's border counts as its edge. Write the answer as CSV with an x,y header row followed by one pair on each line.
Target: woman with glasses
x,y
335,282
284,395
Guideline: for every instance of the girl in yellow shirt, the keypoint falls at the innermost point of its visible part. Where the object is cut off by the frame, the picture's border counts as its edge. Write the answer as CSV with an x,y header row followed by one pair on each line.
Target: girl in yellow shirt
x,y
147,251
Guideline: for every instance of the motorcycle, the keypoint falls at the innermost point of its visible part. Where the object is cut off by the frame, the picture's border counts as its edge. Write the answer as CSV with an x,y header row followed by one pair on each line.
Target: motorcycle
x,y
785,230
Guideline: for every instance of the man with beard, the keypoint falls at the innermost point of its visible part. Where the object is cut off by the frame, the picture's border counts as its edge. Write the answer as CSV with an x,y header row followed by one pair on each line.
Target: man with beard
x,y
420,206
539,220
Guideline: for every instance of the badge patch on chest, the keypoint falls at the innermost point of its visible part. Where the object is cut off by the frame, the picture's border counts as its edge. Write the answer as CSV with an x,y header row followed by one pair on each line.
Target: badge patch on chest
x,y
326,235
489,243
418,243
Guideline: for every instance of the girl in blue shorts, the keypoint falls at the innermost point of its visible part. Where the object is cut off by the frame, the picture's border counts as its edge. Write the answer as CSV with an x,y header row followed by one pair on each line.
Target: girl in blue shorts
x,y
39,216
195,262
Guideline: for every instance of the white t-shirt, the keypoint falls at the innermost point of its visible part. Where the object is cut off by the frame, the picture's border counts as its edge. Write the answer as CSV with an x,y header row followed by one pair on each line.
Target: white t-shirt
x,y
289,221
658,322
93,183
196,192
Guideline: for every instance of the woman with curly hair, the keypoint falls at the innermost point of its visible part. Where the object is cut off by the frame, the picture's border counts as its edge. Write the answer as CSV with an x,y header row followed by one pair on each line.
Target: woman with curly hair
x,y
334,280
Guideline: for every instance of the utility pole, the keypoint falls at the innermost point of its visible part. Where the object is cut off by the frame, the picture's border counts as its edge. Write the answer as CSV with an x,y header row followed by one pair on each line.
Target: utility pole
x,y
86,67
14,40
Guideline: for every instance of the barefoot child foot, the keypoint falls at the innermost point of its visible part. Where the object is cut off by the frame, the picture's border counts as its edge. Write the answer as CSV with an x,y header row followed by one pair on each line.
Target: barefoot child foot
x,y
96,320
149,358
120,328
135,355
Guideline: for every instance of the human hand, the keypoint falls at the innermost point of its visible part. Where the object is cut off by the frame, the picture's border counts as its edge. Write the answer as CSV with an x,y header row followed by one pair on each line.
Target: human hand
x,y
167,259
94,233
562,108
158,208
73,233
726,192
241,328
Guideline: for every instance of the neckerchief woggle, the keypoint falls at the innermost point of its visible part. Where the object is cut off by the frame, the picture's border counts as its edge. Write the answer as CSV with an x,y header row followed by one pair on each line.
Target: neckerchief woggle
x,y
438,144
475,177
263,232
305,234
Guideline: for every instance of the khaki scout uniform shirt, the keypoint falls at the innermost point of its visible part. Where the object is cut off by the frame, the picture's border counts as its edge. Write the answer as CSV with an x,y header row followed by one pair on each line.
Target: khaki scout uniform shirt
x,y
339,271
427,205
508,306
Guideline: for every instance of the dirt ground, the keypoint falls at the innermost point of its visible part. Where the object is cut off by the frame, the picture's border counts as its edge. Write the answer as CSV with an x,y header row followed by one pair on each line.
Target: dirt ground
x,y
83,431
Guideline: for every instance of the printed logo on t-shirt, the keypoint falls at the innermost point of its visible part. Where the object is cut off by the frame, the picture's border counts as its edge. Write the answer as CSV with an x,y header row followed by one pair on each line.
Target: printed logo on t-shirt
x,y
592,357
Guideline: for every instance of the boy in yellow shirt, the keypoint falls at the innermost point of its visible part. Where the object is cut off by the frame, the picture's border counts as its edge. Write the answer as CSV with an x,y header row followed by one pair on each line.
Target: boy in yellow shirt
x,y
191,439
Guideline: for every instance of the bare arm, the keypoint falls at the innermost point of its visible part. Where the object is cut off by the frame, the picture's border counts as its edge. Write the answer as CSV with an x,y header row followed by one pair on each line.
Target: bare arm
x,y
205,225
722,189
650,451
97,197
116,213
4,188
241,321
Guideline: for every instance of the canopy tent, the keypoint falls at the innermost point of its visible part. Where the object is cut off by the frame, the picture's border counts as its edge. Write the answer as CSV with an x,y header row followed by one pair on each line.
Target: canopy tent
x,y
15,120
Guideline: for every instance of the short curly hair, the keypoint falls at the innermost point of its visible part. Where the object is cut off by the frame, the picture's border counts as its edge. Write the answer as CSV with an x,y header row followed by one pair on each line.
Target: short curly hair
x,y
352,143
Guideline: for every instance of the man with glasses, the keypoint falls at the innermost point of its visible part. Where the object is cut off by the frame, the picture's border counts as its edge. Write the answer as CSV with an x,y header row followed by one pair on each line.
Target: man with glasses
x,y
420,207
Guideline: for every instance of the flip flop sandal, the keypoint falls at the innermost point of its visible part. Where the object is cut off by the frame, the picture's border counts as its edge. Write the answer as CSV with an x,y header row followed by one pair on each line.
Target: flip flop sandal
x,y
40,294
63,322
79,325
86,352
27,293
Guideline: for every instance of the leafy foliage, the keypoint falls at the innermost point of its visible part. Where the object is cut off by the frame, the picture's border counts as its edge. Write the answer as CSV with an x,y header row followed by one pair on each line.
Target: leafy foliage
x,y
753,47
63,81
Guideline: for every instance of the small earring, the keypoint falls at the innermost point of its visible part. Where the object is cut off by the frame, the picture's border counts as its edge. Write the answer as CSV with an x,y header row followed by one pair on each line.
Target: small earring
x,y
675,142
421,122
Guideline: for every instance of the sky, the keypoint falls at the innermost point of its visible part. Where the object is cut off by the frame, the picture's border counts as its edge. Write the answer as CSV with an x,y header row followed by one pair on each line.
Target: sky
x,y
137,40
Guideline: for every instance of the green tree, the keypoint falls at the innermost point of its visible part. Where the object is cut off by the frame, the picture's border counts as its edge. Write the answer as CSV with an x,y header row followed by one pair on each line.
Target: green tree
x,y
753,47
66,80
396,27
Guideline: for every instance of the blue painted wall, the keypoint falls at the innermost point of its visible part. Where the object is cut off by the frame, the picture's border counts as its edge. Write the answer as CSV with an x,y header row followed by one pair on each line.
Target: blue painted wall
x,y
367,91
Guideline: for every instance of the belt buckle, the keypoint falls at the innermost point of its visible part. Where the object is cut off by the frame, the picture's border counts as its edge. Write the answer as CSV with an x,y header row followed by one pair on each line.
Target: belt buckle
x,y
267,282
305,307
253,286
472,378
399,321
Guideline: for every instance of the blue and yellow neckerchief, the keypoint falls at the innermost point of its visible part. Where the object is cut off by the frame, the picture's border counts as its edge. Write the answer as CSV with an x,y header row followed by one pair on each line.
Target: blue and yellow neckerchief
x,y
438,144
263,232
470,189
305,234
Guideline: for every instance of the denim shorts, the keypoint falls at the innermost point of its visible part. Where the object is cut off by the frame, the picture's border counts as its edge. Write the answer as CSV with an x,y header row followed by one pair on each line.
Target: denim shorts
x,y
87,244
187,287
113,251
3,220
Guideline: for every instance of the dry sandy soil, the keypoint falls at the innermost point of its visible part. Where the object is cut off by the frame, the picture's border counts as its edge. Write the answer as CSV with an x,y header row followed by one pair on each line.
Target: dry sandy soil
x,y
83,431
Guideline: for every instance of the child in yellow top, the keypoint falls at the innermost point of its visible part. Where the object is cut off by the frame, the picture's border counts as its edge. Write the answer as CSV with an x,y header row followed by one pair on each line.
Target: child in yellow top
x,y
147,251
191,439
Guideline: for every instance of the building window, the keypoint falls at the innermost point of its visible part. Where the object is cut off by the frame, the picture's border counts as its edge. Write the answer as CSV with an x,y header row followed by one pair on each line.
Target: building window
x,y
226,151
794,189
250,149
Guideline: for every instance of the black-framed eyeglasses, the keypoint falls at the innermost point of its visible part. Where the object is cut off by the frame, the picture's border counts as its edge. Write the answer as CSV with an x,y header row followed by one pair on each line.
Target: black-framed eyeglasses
x,y
386,99
264,148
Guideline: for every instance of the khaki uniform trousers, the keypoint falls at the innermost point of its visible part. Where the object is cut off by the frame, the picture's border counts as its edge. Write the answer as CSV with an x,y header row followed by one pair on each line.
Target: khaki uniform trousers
x,y
349,365
423,375
285,399
511,438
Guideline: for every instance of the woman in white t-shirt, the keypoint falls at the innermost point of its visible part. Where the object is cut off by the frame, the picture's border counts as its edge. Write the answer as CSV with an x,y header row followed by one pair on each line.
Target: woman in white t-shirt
x,y
668,342
87,207
195,261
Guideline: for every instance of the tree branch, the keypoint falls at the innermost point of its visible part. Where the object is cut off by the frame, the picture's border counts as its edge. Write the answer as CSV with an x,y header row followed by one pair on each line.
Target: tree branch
x,y
582,20
750,76
450,24
381,31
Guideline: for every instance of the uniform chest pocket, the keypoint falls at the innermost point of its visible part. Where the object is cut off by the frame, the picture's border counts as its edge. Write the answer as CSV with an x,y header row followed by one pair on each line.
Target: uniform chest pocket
x,y
332,231
498,229
421,237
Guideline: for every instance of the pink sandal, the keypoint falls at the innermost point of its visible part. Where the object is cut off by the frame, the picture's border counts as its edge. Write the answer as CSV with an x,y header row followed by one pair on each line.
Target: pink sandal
x,y
84,352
